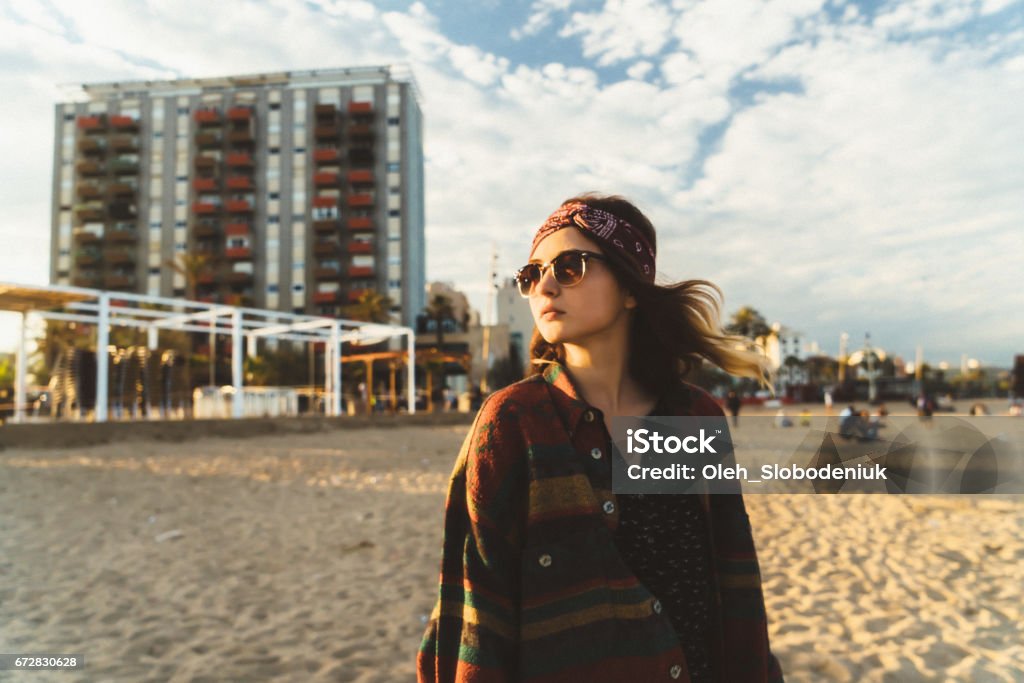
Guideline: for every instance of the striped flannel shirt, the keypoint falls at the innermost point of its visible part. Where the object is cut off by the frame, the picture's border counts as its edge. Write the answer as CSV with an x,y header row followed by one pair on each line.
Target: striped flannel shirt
x,y
532,588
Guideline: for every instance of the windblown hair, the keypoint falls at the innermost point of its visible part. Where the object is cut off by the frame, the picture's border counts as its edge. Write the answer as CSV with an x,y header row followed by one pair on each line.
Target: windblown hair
x,y
674,328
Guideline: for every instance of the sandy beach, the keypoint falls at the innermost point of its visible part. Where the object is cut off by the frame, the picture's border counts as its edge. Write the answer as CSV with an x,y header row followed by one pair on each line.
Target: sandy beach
x,y
315,557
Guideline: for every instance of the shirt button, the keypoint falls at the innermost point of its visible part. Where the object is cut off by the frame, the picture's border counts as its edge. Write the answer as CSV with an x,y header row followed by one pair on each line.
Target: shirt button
x,y
588,416
657,606
545,560
609,507
595,454
675,671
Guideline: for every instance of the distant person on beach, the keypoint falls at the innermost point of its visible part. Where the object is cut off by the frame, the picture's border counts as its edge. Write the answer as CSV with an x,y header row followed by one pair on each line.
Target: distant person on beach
x,y
546,573
828,402
734,403
979,409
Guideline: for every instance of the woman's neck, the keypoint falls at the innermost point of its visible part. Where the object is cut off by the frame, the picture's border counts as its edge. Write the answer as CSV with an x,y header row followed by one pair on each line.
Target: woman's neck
x,y
601,373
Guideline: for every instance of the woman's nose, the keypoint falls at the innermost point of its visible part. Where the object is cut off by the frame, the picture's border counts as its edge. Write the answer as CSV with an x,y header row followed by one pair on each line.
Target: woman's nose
x,y
547,283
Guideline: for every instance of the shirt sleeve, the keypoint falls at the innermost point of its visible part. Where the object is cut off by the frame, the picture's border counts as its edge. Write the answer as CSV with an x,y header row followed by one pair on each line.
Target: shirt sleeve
x,y
473,632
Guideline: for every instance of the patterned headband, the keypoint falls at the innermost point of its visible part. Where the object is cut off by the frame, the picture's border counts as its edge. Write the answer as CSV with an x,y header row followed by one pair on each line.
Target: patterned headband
x,y
608,228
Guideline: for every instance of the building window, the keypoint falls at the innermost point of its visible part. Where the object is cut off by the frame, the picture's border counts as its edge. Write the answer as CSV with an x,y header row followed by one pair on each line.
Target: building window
x,y
180,224
394,167
274,106
300,150
275,195
182,111
297,287
271,289
394,212
154,271
273,220
393,121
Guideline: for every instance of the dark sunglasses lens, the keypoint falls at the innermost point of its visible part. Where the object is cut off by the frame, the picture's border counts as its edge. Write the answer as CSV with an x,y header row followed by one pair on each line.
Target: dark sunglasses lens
x,y
525,278
569,268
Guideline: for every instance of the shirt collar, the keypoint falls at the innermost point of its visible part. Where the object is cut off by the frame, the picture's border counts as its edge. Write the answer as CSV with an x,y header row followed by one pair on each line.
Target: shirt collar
x,y
571,405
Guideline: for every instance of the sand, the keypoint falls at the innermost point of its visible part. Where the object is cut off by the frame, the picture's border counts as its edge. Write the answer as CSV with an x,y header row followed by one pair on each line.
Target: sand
x,y
315,557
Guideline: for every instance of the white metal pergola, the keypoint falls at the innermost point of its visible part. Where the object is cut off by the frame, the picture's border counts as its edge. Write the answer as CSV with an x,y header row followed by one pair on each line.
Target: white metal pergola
x,y
107,308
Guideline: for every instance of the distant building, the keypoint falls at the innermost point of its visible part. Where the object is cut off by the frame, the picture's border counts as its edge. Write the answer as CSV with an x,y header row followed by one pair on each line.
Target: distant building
x,y
301,189
514,312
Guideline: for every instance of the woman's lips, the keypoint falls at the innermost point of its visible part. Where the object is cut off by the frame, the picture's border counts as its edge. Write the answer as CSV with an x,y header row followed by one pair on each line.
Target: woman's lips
x,y
550,315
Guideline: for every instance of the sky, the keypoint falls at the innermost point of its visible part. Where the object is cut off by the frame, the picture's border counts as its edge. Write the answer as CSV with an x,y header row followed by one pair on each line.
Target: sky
x,y
847,167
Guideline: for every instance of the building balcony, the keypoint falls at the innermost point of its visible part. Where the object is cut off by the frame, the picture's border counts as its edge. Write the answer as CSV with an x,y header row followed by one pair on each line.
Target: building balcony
x,y
237,229
88,191
125,143
121,210
84,236
325,179
361,131
325,297
119,256
90,169
92,145
239,159
203,229
208,139
205,163
206,117
325,155
326,273
238,253
123,186
122,232
89,212
324,201
87,278
361,156
124,166
325,111
206,185
326,248
360,107
329,225
239,182
360,271
240,113
87,257
237,277
360,248
241,137
119,281
360,223
92,123
326,132
360,199
204,208
361,176
207,277
124,123
238,205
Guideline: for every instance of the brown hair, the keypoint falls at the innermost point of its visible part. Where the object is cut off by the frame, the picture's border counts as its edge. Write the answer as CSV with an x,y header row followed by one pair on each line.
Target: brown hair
x,y
674,327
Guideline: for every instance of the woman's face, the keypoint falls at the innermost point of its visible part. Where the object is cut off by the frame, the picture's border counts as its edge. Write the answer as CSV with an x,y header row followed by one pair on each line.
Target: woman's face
x,y
592,306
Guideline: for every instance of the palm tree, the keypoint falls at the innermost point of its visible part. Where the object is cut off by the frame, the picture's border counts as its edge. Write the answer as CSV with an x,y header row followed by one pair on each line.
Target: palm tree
x,y
372,306
440,309
190,266
747,322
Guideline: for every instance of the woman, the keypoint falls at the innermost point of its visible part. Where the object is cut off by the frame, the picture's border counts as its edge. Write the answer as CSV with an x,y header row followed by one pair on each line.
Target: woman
x,y
547,575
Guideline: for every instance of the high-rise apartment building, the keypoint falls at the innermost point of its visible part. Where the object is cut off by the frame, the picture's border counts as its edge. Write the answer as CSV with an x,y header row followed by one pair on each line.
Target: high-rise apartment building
x,y
291,191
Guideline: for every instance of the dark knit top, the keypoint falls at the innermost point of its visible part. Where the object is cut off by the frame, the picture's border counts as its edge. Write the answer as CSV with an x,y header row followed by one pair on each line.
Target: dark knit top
x,y
663,538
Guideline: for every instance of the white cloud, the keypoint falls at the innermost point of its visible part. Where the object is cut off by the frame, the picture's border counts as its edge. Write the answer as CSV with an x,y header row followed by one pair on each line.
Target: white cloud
x,y
884,194
541,13
621,30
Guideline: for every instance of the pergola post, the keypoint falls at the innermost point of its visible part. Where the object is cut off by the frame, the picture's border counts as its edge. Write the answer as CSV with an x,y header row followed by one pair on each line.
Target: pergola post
x,y
102,356
236,363
20,380
410,368
250,346
336,370
328,379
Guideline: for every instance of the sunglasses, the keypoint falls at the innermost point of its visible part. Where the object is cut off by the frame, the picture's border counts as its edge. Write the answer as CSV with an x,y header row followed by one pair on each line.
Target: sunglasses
x,y
569,268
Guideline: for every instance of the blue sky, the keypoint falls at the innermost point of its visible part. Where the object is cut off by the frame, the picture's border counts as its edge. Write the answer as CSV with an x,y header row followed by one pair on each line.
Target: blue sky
x,y
842,167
